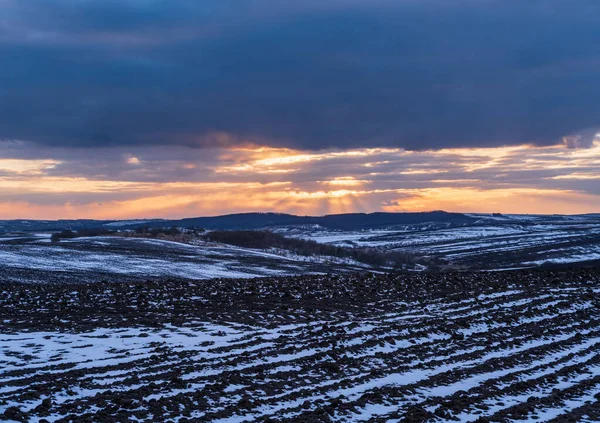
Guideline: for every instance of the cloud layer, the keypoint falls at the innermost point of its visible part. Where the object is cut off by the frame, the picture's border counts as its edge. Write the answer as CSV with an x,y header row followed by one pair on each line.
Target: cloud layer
x,y
172,108
306,75
149,181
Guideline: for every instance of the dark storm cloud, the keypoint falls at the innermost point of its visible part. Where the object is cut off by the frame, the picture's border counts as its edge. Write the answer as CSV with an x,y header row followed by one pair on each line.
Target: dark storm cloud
x,y
346,73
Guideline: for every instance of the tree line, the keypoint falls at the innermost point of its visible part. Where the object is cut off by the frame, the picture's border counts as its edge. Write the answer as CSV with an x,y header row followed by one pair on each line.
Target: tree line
x,y
266,239
69,234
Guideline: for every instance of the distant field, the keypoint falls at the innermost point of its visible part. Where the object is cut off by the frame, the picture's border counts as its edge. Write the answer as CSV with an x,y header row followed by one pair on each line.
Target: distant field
x,y
33,258
465,347
438,240
489,243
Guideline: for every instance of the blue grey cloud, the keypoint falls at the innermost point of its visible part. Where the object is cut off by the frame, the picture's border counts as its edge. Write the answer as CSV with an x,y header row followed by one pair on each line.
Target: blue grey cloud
x,y
345,73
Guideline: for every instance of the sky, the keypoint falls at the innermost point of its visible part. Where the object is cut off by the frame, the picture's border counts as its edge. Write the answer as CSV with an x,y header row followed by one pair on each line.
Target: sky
x,y
177,108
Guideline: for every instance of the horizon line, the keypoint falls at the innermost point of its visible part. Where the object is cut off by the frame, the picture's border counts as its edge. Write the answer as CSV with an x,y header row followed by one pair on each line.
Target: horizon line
x,y
298,215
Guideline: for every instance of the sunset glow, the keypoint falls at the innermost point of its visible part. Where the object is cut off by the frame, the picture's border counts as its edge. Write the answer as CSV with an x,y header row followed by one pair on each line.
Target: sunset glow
x,y
189,182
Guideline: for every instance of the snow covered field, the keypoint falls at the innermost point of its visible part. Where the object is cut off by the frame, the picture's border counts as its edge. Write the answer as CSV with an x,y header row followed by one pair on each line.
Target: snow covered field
x,y
33,258
488,243
493,242
499,347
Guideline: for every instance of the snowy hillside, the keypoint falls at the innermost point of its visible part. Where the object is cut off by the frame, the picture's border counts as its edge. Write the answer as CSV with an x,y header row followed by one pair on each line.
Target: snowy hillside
x,y
33,258
492,242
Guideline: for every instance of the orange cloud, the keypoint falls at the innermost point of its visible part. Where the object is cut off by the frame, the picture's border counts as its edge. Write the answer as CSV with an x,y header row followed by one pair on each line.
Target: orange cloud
x,y
27,167
269,179
348,181
515,200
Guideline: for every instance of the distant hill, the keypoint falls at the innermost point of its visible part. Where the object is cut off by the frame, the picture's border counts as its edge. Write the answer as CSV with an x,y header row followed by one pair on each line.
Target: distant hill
x,y
348,222
249,221
351,221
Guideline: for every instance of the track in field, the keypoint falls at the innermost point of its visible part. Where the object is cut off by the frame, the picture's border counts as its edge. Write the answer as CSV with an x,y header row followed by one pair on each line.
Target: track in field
x,y
502,347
